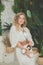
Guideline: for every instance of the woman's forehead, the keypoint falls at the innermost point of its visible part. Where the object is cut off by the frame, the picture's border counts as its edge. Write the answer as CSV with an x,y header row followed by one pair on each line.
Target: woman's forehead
x,y
22,16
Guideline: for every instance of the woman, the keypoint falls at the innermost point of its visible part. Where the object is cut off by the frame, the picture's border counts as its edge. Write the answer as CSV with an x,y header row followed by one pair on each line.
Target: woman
x,y
20,37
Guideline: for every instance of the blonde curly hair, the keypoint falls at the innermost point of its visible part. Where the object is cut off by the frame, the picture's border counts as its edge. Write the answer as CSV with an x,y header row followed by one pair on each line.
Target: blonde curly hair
x,y
15,22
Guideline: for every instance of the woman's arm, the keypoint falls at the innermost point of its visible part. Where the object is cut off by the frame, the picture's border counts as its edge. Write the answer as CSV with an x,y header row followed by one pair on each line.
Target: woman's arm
x,y
23,42
29,42
26,42
19,45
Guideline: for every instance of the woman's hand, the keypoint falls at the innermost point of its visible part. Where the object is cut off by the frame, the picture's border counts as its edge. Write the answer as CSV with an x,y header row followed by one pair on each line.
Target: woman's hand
x,y
19,45
23,43
29,42
27,53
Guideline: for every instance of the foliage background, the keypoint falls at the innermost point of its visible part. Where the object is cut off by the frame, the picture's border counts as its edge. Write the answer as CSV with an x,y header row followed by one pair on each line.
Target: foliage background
x,y
35,22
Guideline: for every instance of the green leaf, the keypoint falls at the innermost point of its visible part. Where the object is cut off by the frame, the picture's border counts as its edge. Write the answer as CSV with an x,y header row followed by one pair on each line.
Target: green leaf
x,y
29,13
36,19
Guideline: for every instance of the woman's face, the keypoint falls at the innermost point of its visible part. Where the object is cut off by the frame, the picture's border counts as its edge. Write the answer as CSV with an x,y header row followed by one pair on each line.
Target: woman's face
x,y
21,19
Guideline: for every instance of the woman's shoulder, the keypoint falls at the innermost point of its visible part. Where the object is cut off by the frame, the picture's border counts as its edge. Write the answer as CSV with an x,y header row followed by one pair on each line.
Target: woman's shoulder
x,y
12,27
26,28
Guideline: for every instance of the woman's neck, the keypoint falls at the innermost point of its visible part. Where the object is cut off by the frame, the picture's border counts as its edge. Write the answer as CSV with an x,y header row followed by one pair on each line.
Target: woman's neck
x,y
20,27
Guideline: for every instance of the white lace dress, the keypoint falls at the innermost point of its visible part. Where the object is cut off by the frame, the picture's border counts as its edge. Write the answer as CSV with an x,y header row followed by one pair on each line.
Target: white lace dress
x,y
16,36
